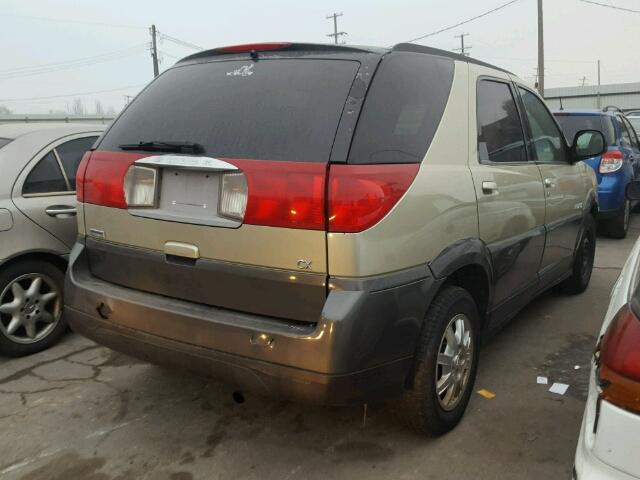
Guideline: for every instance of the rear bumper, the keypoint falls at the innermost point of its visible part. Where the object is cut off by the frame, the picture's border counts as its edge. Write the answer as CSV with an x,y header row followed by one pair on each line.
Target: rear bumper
x,y
360,349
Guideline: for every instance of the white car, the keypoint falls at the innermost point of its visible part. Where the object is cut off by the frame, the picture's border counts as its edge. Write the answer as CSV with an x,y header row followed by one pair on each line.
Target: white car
x,y
609,444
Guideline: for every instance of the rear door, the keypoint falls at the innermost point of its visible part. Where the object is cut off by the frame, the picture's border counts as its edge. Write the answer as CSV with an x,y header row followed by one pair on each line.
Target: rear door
x,y
509,191
265,130
45,191
565,191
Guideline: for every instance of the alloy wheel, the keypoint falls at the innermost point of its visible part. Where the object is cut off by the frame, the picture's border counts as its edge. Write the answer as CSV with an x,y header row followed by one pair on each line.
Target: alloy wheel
x,y
30,308
455,360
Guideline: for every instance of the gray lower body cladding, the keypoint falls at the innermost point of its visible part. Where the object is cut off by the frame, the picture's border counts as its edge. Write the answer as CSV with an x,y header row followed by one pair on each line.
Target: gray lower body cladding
x,y
360,348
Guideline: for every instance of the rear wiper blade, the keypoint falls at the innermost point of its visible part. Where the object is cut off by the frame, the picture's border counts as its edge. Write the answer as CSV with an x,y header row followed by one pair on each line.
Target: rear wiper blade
x,y
168,146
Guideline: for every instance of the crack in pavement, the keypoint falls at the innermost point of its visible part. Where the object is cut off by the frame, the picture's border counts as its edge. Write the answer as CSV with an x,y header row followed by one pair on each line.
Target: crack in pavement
x,y
29,370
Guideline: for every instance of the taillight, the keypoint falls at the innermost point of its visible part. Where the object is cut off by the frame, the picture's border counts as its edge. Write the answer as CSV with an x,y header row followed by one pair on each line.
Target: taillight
x,y
361,195
284,194
619,370
268,193
234,194
611,161
82,168
140,186
103,178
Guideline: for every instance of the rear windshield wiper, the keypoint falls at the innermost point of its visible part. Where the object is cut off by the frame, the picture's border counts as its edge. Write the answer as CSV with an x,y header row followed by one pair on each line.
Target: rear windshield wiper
x,y
157,146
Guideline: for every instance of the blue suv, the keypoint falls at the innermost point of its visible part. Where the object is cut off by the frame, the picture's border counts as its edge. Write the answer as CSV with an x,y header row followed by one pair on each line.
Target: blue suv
x,y
619,165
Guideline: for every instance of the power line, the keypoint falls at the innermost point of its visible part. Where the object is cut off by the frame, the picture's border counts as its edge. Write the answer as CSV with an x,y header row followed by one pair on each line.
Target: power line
x,y
166,54
81,62
615,7
80,94
64,20
504,5
175,40
65,62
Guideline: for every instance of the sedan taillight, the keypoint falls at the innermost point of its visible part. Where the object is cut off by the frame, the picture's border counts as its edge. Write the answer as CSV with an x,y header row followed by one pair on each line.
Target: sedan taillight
x,y
619,359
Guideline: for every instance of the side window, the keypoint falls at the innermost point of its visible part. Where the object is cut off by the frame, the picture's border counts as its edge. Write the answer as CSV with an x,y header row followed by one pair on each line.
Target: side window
x,y
626,138
632,134
46,177
549,145
500,135
71,153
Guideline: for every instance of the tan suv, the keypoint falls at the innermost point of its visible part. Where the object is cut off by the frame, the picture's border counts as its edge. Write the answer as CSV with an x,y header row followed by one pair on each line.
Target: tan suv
x,y
329,223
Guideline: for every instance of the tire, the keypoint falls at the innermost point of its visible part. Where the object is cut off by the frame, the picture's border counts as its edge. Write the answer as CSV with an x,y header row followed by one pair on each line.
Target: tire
x,y
420,408
36,309
583,260
618,226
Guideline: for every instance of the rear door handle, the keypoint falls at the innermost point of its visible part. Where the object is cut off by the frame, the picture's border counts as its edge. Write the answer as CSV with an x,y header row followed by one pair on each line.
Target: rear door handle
x,y
489,187
549,183
61,210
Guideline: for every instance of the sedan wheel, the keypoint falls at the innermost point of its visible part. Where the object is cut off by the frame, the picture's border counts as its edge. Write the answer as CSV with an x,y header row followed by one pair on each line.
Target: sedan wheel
x,y
30,308
31,304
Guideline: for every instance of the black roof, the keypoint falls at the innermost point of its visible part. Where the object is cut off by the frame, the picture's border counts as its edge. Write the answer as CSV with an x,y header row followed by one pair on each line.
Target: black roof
x,y
353,49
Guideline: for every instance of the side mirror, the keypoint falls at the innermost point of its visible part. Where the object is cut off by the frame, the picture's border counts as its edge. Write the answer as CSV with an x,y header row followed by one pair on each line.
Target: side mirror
x,y
632,191
587,144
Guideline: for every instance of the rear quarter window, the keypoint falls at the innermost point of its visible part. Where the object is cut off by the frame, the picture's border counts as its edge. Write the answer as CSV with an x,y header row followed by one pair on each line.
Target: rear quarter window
x,y
4,141
403,109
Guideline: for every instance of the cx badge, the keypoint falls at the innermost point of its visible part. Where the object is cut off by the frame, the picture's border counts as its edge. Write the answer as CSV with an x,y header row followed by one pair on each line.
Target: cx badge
x,y
304,264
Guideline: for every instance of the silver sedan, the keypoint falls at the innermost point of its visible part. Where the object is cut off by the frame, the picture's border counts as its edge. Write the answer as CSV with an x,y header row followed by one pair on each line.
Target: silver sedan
x,y
38,164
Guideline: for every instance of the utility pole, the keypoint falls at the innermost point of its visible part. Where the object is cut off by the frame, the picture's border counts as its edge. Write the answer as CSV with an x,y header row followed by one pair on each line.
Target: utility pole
x,y
462,49
335,33
540,50
127,99
154,51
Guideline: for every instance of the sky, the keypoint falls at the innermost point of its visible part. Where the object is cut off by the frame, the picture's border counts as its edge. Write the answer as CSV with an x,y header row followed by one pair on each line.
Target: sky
x,y
108,42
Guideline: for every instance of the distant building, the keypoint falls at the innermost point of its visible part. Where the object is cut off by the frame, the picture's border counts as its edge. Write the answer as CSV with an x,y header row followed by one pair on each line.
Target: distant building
x,y
622,95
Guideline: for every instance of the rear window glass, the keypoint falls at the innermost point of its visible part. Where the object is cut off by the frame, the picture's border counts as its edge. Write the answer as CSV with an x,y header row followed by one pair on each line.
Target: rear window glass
x,y
4,141
284,109
403,109
572,124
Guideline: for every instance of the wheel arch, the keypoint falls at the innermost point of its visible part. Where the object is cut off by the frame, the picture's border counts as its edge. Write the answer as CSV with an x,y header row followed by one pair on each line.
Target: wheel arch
x,y
55,259
467,264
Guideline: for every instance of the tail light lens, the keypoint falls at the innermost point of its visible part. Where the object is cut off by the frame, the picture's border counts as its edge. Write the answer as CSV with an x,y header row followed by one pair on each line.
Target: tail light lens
x,y
140,186
233,196
361,195
619,369
269,193
80,173
611,161
284,194
101,179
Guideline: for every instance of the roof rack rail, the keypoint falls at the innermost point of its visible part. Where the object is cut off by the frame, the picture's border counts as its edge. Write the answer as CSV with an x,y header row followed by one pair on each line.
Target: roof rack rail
x,y
612,108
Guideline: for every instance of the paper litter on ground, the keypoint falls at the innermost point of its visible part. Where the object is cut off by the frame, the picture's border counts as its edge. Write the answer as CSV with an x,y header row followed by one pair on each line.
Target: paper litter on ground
x,y
559,388
542,380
